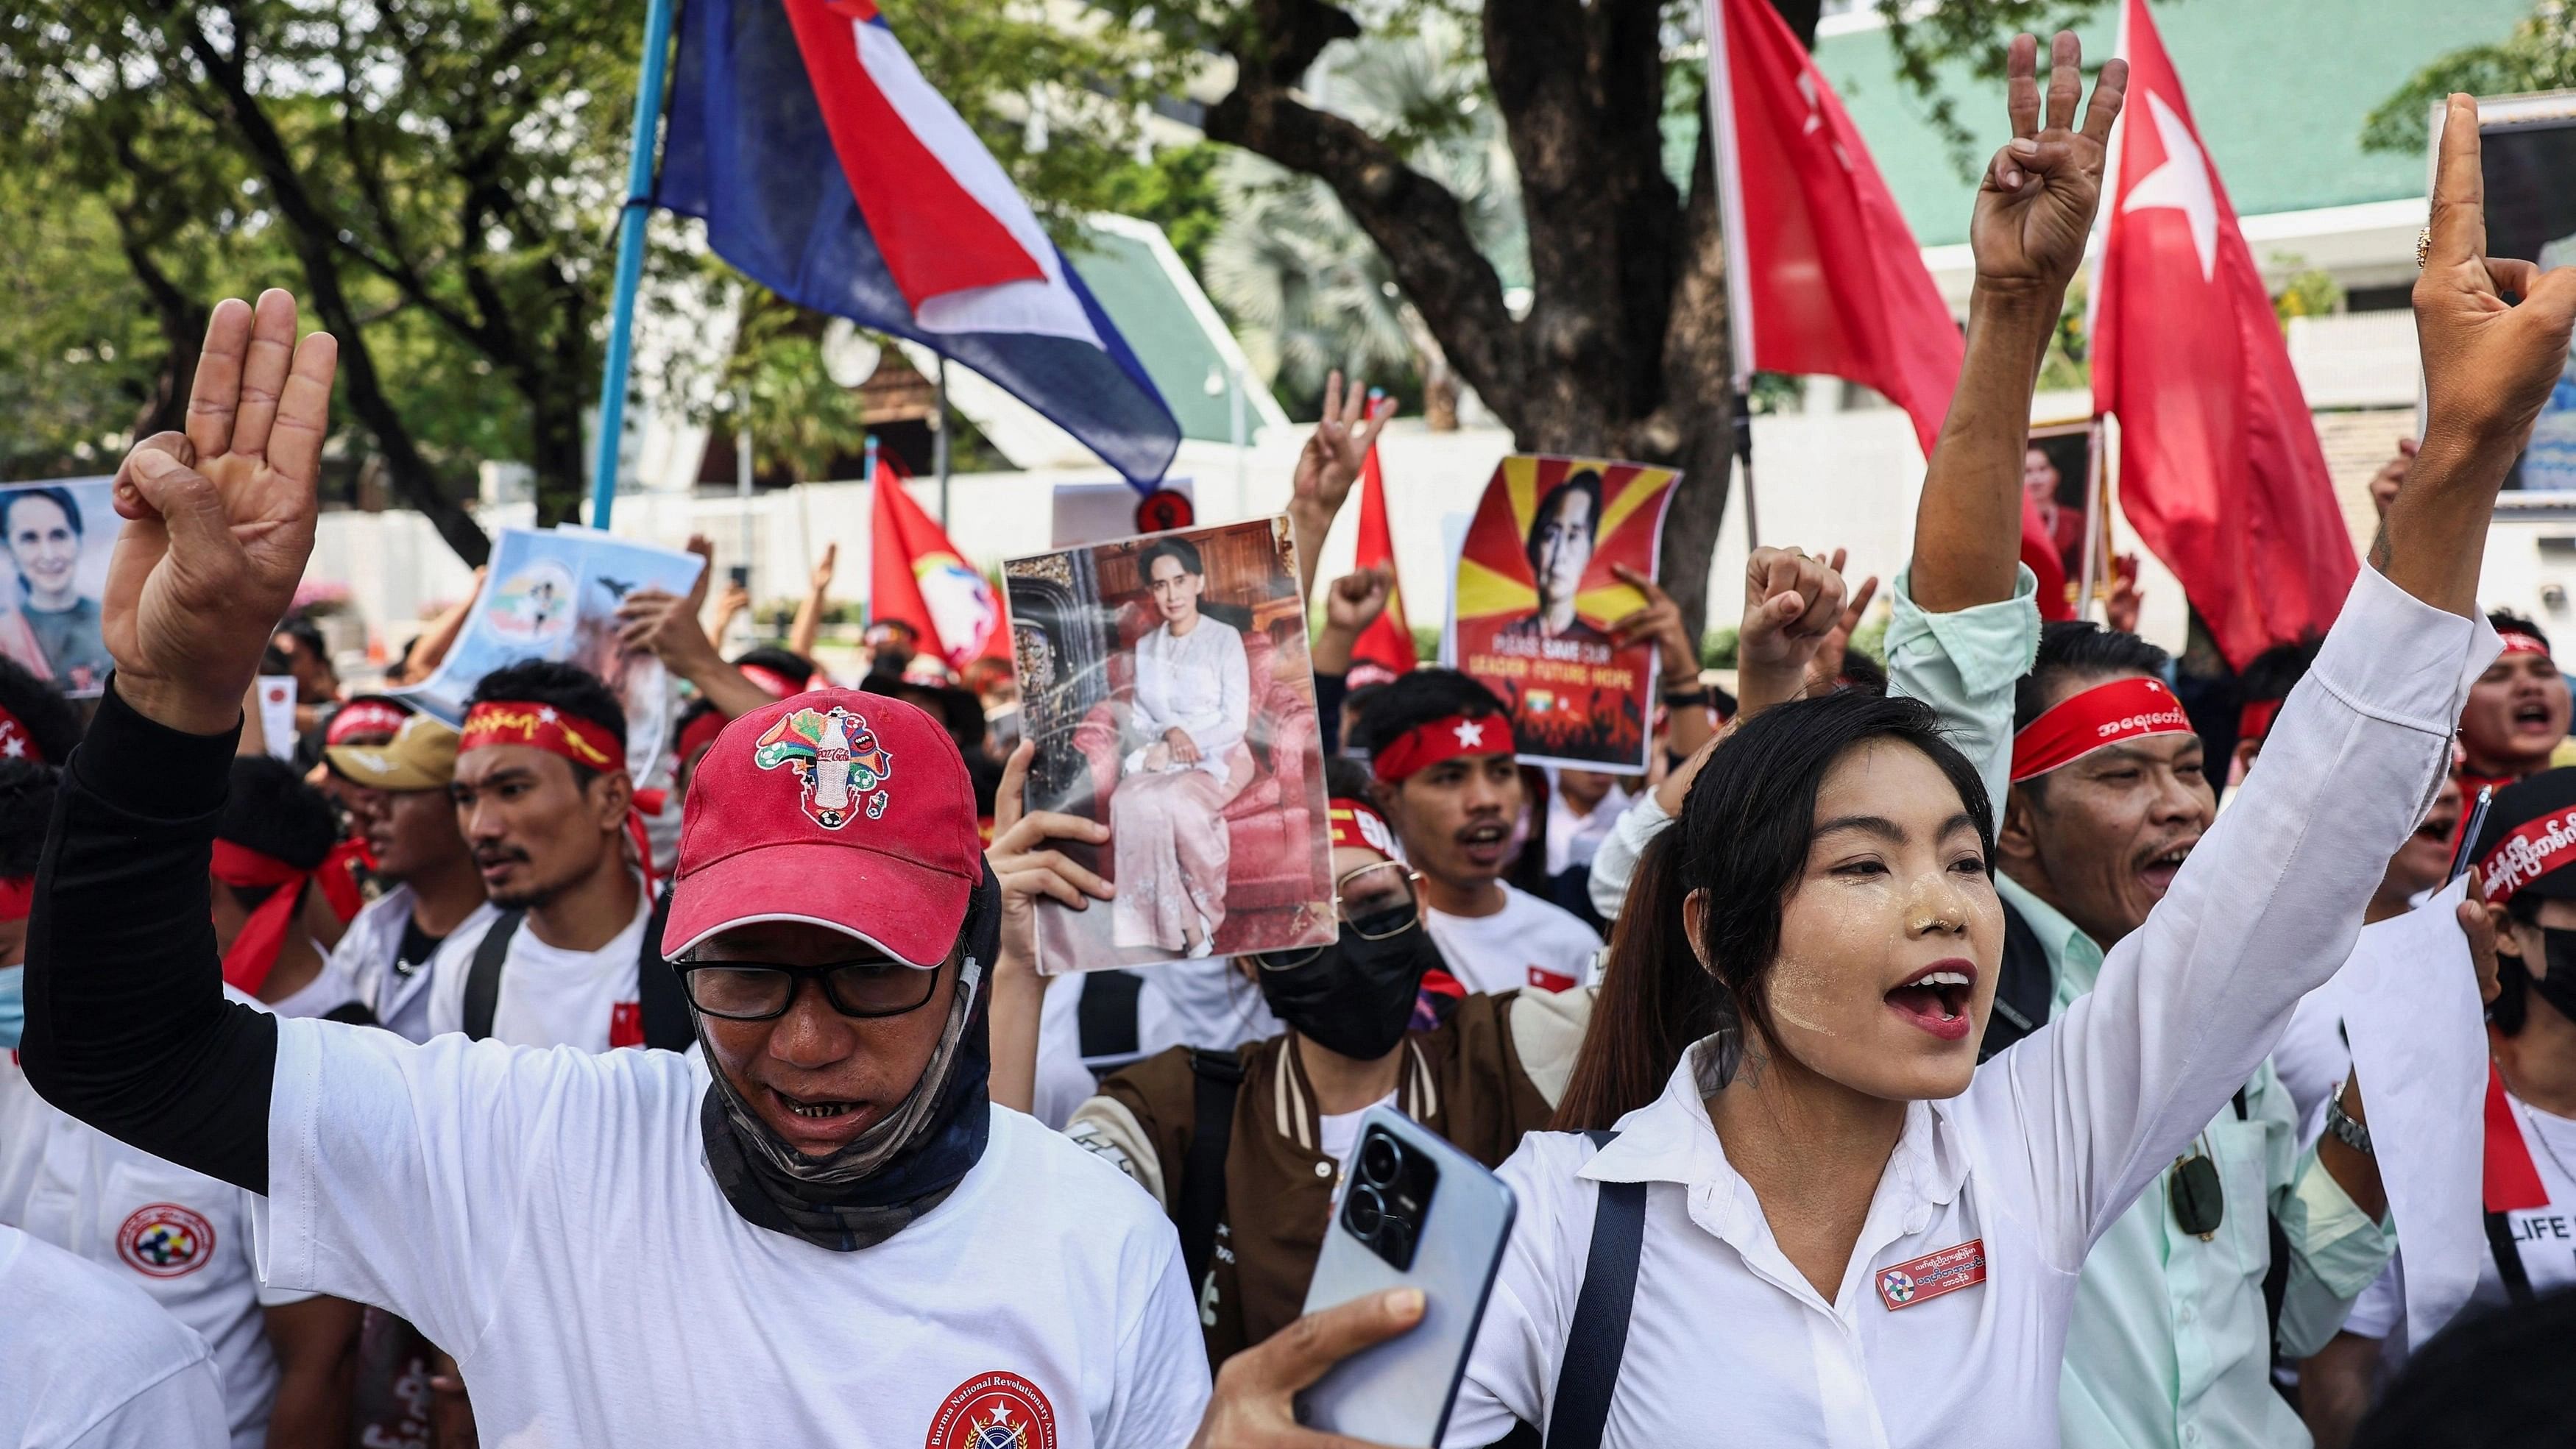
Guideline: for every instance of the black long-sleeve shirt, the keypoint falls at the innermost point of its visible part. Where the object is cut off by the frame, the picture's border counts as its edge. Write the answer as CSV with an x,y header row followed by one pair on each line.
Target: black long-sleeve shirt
x,y
127,1025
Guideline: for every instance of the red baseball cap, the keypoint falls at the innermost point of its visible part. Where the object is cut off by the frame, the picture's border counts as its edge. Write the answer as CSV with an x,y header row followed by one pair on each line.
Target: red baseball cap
x,y
836,807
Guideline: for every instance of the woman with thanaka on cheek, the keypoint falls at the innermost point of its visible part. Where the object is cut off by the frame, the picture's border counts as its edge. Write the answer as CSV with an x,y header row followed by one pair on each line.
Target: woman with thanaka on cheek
x,y
1889,1239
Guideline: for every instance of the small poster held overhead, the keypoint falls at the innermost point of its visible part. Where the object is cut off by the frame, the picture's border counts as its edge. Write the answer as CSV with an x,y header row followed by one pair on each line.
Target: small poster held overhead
x,y
1166,682
1537,595
59,536
554,595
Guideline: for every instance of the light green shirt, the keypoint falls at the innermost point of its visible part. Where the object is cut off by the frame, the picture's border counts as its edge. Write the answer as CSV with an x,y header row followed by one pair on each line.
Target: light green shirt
x,y
2169,1345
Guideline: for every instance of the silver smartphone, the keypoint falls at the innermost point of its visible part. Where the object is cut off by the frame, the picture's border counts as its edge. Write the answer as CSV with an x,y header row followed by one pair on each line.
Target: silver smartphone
x,y
1416,1213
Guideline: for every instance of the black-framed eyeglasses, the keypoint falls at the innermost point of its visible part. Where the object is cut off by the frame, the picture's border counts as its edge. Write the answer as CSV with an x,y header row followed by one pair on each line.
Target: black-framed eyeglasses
x,y
1375,901
762,991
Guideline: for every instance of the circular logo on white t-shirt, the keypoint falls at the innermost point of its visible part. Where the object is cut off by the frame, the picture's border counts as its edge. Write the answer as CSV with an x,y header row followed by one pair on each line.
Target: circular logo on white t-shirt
x,y
1898,1287
165,1240
995,1410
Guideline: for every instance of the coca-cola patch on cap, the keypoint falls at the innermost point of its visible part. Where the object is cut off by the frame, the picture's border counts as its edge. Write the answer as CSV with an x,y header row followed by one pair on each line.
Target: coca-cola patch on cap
x,y
837,808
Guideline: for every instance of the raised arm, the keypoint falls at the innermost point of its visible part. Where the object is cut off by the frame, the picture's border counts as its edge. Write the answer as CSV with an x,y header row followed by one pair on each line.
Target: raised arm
x,y
1328,467
127,1026
668,625
809,610
1026,862
434,642
2269,904
2033,211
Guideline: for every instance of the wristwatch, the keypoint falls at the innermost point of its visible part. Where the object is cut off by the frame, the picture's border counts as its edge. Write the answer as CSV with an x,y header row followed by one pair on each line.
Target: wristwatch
x,y
2346,1131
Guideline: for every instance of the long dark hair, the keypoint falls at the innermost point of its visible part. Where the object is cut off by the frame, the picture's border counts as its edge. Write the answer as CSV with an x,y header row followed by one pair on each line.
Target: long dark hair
x,y
1742,838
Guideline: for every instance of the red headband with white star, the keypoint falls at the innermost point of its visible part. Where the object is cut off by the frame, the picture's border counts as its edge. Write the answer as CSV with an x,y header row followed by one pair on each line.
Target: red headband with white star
x,y
1425,745
15,742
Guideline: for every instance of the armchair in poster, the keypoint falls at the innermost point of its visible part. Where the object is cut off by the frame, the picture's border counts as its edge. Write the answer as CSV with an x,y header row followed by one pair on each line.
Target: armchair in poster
x,y
58,536
1166,683
554,595
1537,593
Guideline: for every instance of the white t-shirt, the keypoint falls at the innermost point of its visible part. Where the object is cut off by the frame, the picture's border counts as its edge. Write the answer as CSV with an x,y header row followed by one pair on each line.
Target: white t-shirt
x,y
549,996
182,1237
548,1217
2545,1236
331,988
1205,1003
1528,944
1573,839
1341,1131
365,955
87,1362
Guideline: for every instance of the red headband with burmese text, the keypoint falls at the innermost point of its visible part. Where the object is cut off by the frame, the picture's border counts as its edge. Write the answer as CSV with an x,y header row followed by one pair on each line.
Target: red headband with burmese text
x,y
2106,714
1426,745
518,722
2517,642
364,717
1357,823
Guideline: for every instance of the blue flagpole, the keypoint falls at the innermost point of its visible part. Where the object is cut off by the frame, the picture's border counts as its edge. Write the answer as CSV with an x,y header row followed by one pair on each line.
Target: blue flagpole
x,y
630,261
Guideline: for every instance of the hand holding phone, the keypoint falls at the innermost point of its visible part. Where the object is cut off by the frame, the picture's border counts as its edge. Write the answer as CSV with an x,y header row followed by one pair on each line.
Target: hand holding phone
x,y
1417,1213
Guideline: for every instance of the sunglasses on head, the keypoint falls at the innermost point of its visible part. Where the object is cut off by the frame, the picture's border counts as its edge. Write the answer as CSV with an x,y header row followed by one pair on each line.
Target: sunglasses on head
x,y
1375,901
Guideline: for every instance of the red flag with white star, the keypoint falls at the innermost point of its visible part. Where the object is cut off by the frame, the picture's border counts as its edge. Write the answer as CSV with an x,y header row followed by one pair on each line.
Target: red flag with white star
x,y
1822,274
2220,469
1385,648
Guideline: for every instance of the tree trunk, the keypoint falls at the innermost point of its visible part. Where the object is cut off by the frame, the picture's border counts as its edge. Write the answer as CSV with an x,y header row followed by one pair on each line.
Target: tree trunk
x,y
182,320
555,452
315,245
1624,350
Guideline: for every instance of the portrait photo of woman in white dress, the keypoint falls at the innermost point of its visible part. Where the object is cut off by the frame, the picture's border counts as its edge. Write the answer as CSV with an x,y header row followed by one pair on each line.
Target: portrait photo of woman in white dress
x,y
1185,757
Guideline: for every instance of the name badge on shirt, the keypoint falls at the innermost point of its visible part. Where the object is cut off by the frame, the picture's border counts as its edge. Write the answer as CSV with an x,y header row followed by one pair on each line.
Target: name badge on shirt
x,y
1542,979
1947,1271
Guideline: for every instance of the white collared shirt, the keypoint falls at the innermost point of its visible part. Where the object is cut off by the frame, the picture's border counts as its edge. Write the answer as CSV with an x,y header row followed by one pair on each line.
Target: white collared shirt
x,y
2049,1144
180,1236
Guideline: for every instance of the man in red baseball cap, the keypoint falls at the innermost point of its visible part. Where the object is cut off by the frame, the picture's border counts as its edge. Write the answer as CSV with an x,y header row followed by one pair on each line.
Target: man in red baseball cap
x,y
821,1233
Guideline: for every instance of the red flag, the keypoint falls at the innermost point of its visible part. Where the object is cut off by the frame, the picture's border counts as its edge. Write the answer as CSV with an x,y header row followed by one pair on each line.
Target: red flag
x,y
917,576
1822,273
1385,647
2220,469
2512,1182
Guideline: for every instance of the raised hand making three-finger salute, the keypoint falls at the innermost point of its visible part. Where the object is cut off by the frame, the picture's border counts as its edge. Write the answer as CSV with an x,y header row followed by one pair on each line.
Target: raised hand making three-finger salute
x,y
219,519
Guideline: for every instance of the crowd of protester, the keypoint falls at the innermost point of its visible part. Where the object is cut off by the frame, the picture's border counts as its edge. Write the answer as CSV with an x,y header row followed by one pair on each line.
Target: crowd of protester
x,y
783,1137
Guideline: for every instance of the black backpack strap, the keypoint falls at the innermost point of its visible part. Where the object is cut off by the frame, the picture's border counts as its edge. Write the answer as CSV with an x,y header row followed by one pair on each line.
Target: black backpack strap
x,y
2024,988
659,997
2276,1270
483,978
2508,1260
1594,1341
1199,1206
1106,1017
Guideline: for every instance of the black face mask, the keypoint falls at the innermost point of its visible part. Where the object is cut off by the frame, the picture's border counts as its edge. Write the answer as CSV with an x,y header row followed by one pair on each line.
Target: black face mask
x,y
1356,996
2558,988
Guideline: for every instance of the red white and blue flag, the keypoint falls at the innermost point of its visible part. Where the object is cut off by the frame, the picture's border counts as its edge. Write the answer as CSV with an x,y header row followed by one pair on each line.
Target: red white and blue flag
x,y
828,170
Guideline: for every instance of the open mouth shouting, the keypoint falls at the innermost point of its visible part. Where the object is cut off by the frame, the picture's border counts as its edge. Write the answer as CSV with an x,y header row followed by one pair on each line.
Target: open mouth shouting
x,y
2532,717
1485,843
1937,999
2156,872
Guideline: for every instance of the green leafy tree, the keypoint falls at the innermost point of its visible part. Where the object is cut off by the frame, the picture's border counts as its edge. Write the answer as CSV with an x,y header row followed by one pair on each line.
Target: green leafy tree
x,y
2540,55
1623,346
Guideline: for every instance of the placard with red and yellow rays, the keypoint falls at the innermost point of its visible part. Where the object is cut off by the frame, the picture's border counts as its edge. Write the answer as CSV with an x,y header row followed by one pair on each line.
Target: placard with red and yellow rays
x,y
1537,600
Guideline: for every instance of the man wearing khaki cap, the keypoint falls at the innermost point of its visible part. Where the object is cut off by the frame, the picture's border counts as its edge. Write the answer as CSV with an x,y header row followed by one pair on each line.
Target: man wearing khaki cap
x,y
398,805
